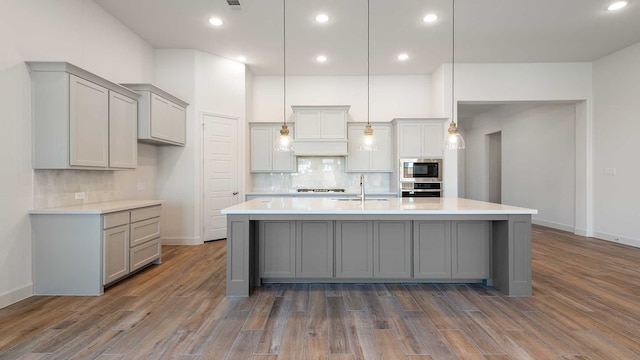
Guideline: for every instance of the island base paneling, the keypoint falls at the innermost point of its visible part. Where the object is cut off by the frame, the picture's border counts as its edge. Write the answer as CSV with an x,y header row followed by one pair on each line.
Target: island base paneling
x,y
423,248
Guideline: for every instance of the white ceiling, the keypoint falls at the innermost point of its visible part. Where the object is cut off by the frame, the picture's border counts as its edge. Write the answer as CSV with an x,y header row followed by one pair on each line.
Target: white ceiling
x,y
487,31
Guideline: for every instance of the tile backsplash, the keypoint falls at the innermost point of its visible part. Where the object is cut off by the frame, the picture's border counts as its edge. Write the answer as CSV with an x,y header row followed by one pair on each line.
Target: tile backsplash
x,y
320,173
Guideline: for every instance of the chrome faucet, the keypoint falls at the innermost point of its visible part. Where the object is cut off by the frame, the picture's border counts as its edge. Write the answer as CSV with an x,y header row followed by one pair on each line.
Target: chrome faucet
x,y
362,187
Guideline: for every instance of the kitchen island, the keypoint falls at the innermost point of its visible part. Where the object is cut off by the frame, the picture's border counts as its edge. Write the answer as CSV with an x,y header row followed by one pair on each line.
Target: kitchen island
x,y
284,239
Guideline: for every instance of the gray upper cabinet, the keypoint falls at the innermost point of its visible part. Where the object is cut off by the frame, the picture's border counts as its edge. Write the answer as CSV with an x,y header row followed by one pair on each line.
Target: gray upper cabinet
x,y
162,117
264,157
80,120
370,161
419,138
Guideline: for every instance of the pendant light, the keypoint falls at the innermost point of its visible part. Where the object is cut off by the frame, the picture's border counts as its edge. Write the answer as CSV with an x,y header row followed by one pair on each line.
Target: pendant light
x,y
454,140
284,142
368,141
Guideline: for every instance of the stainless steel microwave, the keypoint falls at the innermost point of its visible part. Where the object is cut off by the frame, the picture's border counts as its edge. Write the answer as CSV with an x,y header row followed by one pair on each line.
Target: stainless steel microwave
x,y
420,170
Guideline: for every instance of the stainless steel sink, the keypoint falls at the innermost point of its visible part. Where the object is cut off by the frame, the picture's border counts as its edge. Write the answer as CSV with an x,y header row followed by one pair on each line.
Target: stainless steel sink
x,y
356,199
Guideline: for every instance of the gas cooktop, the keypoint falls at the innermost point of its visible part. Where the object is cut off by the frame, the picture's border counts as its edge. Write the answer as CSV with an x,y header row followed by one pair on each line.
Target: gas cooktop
x,y
320,190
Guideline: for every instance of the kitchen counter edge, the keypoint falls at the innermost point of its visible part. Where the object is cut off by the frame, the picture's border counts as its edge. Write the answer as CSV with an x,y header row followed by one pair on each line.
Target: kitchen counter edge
x,y
97,208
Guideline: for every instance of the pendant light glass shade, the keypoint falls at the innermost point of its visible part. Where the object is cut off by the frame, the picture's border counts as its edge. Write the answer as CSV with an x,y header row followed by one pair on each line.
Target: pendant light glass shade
x,y
454,140
368,141
284,142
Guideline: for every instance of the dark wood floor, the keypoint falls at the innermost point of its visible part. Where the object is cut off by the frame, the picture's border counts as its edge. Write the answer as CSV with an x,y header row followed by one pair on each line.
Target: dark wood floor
x,y
586,305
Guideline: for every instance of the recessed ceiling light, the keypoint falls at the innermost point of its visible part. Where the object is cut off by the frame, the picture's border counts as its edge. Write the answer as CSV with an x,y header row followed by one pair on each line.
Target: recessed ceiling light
x,y
617,5
242,59
430,18
321,58
322,18
215,21
403,57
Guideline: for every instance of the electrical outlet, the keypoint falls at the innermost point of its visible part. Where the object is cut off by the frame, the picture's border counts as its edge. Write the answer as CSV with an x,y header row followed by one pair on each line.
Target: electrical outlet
x,y
79,196
142,186
610,171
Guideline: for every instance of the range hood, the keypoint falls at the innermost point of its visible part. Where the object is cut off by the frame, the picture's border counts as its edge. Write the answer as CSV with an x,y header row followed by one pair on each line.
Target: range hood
x,y
320,130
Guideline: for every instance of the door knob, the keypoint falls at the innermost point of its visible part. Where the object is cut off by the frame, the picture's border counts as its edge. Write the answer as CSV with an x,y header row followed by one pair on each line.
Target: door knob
x,y
235,193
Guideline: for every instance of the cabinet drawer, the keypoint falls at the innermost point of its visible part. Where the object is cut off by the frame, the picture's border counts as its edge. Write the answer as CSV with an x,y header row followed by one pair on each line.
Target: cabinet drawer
x,y
115,219
143,231
141,255
145,213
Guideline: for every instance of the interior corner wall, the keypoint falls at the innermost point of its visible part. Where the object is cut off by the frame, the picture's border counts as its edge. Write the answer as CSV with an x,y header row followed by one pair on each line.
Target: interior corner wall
x,y
616,140
61,30
538,159
210,84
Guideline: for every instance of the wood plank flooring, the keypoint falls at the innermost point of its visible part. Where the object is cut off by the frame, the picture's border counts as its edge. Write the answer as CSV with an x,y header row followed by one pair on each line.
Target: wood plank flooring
x,y
586,305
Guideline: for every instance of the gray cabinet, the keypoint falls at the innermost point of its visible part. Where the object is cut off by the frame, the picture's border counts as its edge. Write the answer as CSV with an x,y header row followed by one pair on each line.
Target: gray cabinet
x,y
116,253
123,131
314,249
80,120
392,249
419,138
277,249
264,158
471,248
78,252
320,130
370,161
432,249
162,117
354,249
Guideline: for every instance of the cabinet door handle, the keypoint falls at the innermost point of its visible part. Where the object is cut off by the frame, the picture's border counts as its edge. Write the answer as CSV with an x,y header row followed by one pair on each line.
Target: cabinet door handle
x,y
235,193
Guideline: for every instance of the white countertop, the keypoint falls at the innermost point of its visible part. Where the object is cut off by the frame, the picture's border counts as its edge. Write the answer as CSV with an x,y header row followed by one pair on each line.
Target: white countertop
x,y
332,206
97,208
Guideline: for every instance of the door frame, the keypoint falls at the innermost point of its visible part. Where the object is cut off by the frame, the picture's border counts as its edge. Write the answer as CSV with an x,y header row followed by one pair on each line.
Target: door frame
x,y
242,172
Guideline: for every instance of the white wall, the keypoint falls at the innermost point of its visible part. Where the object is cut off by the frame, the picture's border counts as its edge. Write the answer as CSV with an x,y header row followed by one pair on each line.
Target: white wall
x,y
210,84
531,82
616,119
390,96
76,31
538,159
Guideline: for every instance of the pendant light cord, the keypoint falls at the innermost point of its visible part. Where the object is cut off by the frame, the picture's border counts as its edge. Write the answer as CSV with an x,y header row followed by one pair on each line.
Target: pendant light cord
x,y
453,57
284,62
368,56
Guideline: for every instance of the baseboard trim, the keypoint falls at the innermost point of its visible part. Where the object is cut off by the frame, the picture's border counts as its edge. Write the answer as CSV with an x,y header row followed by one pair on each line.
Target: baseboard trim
x,y
15,295
617,239
553,225
182,241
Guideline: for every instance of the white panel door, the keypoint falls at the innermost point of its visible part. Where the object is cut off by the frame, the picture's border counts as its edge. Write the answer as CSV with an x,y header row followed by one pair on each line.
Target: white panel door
x,y
221,173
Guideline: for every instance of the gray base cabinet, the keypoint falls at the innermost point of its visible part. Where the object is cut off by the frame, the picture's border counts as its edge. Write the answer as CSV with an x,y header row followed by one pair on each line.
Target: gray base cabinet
x,y
354,249
80,253
374,249
392,249
432,249
277,249
471,246
314,249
